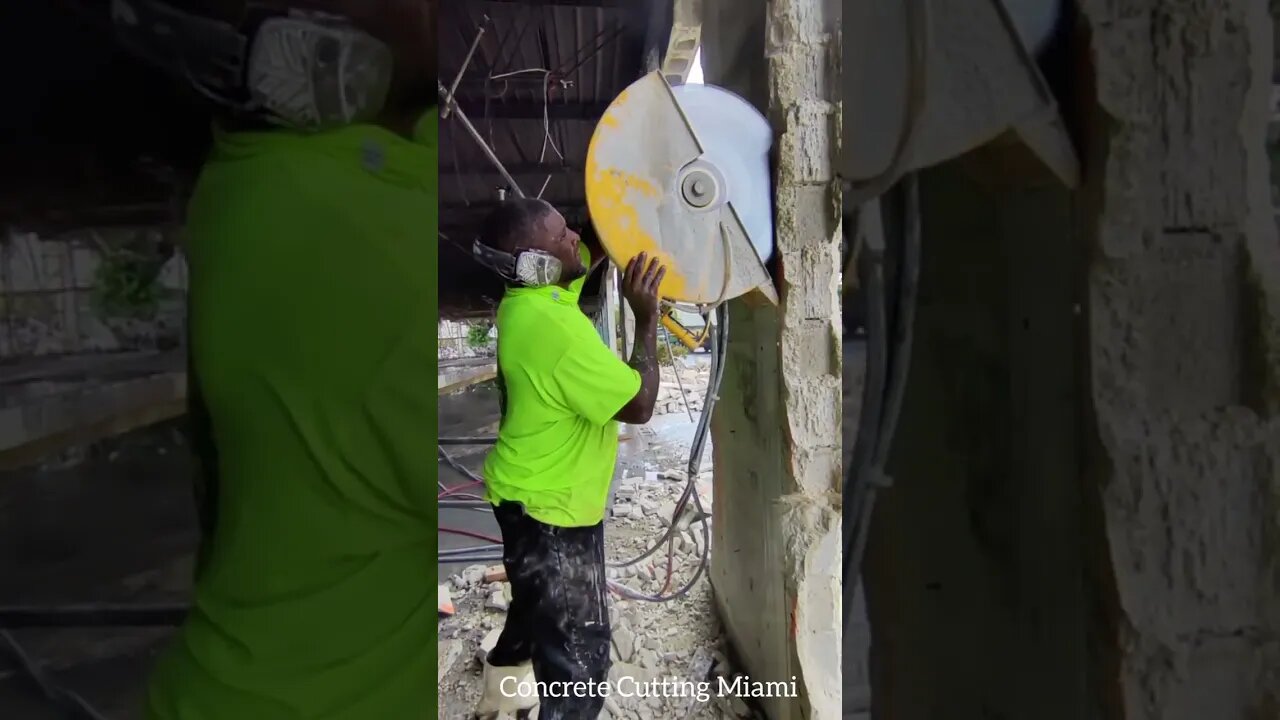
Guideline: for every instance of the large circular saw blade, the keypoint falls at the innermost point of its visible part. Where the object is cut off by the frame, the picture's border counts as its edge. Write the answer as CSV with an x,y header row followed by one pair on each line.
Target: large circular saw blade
x,y
683,174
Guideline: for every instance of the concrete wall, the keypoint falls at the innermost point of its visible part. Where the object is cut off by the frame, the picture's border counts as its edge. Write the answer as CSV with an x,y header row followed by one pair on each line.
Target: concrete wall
x,y
776,552
1184,359
47,298
1086,518
974,563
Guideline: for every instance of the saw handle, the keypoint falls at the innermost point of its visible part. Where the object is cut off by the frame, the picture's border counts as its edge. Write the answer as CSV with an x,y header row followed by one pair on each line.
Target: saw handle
x,y
682,333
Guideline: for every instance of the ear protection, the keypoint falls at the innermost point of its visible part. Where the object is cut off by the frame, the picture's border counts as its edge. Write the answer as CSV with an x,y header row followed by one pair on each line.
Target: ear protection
x,y
531,268
302,70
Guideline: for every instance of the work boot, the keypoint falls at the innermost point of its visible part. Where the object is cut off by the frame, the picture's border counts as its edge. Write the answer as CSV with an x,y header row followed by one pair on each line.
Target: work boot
x,y
520,693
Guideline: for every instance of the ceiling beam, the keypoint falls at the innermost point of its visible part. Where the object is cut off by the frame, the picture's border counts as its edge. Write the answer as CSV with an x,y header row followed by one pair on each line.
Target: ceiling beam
x,y
486,170
564,3
530,109
481,208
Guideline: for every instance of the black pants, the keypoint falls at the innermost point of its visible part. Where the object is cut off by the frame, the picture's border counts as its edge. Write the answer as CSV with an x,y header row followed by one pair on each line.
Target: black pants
x,y
559,617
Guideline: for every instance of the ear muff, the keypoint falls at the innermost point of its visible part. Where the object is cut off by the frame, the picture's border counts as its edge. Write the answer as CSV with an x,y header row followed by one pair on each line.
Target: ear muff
x,y
298,69
532,268
535,268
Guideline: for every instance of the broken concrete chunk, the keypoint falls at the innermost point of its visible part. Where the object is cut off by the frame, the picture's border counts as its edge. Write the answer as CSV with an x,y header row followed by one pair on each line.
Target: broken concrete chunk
x,y
495,573
624,641
627,670
473,574
447,653
637,512
622,510
497,601
488,643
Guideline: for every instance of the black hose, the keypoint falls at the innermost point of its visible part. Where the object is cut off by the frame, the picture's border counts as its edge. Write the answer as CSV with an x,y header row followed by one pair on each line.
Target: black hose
x,y
888,365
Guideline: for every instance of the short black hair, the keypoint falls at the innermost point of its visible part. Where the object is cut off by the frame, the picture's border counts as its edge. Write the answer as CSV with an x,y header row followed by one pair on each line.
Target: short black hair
x,y
512,221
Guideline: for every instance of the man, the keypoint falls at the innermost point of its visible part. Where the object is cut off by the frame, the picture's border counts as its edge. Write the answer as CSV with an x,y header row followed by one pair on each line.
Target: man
x,y
548,476
312,334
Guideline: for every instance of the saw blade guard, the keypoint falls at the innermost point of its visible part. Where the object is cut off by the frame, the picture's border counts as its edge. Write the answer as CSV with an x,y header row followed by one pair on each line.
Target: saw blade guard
x,y
683,175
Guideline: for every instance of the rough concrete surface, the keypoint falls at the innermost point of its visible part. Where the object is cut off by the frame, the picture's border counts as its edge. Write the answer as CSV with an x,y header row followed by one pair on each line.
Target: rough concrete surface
x,y
1085,520
777,428
1184,336
48,304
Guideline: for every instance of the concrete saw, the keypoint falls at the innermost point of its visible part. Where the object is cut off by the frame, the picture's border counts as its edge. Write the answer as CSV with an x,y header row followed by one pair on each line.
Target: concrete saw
x,y
682,173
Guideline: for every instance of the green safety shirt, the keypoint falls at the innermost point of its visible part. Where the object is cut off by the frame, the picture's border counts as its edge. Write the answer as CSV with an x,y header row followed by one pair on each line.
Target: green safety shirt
x,y
313,331
558,441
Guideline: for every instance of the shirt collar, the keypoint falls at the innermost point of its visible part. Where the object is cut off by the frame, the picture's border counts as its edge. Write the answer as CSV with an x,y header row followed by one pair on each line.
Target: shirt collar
x,y
396,159
554,293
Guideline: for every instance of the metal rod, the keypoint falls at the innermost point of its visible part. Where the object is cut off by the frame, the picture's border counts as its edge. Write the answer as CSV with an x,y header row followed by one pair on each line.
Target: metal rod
x,y
464,504
64,616
475,135
480,440
465,64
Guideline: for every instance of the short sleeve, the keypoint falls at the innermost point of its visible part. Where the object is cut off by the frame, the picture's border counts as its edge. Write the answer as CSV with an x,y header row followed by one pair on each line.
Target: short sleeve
x,y
595,383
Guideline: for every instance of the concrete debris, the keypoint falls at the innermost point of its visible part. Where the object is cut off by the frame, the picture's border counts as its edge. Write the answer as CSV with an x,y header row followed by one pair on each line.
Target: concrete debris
x,y
497,601
473,575
650,641
685,394
447,654
494,574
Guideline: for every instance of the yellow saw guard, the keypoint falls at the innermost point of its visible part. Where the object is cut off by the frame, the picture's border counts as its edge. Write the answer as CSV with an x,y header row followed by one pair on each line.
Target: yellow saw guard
x,y
683,174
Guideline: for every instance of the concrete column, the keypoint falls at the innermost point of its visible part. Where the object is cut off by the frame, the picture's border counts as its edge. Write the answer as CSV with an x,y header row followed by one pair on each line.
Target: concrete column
x,y
776,549
1184,360
1086,515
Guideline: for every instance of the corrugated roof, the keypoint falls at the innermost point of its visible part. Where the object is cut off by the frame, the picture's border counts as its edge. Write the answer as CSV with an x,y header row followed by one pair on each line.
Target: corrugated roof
x,y
540,78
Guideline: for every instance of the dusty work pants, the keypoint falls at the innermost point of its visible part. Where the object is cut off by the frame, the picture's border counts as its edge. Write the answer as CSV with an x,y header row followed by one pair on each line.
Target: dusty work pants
x,y
558,616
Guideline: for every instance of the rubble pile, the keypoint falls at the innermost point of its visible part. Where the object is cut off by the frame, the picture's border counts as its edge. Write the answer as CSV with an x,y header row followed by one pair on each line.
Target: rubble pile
x,y
670,646
685,393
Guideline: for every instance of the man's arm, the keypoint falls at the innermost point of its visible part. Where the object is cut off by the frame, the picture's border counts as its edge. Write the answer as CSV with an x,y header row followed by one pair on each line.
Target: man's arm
x,y
640,282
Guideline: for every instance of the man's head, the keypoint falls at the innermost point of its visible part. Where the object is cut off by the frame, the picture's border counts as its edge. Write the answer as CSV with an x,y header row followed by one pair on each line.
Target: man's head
x,y
408,27
524,224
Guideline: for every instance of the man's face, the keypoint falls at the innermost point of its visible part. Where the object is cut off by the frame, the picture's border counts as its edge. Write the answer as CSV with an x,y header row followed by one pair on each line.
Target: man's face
x,y
554,236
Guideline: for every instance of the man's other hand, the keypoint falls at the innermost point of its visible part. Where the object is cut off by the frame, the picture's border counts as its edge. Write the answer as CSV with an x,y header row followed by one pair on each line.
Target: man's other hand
x,y
640,283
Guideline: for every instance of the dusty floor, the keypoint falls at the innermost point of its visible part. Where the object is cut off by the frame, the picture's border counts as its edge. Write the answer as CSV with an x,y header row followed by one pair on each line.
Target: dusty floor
x,y
118,527
676,641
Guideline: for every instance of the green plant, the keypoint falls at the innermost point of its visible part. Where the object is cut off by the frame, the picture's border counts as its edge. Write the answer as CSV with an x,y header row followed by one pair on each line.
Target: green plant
x,y
478,336
126,283
670,349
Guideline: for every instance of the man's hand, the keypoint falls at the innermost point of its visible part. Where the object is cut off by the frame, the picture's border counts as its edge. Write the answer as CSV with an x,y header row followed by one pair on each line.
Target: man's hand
x,y
640,283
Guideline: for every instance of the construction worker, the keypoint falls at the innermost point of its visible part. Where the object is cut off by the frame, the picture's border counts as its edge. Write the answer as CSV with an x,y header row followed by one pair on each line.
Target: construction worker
x,y
313,308
548,476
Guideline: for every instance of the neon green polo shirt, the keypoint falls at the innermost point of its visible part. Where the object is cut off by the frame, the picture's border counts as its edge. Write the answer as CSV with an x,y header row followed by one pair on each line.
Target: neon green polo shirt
x,y
313,330
558,442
